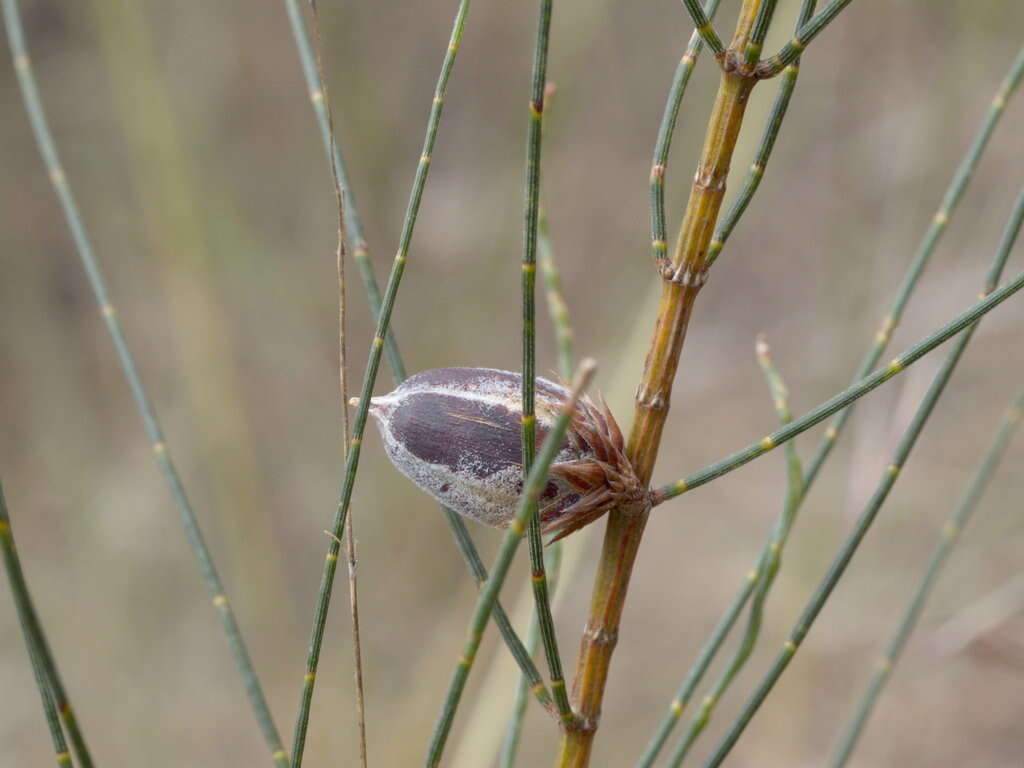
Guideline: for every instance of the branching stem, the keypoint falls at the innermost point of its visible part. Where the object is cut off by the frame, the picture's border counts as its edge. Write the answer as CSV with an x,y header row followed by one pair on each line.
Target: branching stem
x,y
683,278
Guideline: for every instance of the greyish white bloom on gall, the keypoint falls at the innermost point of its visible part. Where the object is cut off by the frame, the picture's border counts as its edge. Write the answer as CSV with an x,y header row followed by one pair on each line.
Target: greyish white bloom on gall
x,y
456,433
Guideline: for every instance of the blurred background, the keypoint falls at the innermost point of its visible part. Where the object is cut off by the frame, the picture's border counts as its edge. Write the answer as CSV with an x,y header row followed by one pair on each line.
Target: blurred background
x,y
186,133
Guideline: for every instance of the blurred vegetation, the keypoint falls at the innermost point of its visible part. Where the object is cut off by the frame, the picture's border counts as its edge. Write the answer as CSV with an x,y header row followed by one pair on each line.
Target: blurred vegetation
x,y
186,132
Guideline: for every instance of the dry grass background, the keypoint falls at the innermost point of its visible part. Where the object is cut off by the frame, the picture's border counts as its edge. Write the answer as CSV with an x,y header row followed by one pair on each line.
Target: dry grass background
x,y
187,135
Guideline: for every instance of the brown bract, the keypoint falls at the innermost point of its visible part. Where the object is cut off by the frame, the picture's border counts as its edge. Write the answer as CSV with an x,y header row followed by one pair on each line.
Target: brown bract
x,y
605,476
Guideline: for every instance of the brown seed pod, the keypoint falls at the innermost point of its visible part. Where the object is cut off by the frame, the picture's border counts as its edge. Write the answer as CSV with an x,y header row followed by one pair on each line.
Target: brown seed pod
x,y
456,433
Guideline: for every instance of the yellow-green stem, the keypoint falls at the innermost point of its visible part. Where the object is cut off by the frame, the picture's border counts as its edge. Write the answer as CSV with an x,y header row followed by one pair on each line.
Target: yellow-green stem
x,y
683,278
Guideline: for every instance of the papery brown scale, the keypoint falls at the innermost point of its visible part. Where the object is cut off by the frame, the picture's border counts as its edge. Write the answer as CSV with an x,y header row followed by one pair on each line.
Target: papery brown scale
x,y
583,475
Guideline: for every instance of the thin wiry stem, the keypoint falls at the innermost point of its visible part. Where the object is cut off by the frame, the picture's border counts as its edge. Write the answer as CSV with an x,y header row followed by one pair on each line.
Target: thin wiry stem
x,y
360,254
768,565
659,236
693,677
369,379
757,168
522,656
936,229
58,178
752,50
844,398
60,746
704,26
532,487
759,578
888,480
950,535
350,536
514,729
529,418
43,665
801,39
353,221
881,341
559,312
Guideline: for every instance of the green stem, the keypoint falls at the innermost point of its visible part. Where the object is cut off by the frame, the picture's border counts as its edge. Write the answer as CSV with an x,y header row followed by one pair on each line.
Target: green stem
x,y
704,26
353,221
522,656
48,680
700,666
58,178
801,39
758,33
938,226
892,471
532,488
559,312
350,536
369,379
659,236
844,398
770,561
529,418
757,168
514,729
360,253
950,534
60,747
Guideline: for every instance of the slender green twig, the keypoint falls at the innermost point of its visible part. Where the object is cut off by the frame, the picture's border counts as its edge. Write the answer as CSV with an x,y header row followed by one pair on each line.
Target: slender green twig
x,y
514,729
950,534
700,666
350,536
522,656
369,379
755,579
768,565
659,247
728,222
529,426
844,398
532,488
44,667
936,229
360,254
760,580
704,26
659,236
559,312
864,522
60,746
759,32
353,221
881,340
801,39
58,178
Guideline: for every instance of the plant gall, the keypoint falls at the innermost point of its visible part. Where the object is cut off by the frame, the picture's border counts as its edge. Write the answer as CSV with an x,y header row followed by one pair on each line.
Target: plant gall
x,y
456,433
